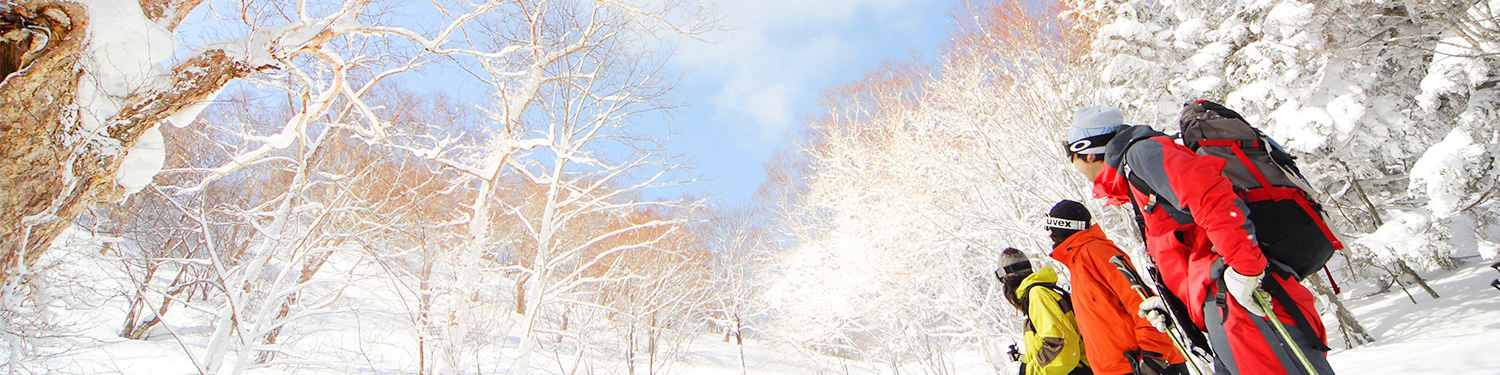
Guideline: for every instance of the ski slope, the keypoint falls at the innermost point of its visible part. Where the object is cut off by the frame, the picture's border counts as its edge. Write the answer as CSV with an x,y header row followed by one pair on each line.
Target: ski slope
x,y
1455,334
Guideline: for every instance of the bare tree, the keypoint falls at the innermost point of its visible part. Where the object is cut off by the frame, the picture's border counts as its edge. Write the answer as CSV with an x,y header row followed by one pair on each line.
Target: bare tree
x,y
920,175
741,250
319,158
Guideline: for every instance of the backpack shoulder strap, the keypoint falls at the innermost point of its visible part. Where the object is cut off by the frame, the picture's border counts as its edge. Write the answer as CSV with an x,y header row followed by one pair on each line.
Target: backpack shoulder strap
x,y
1125,168
1154,200
1140,185
1065,302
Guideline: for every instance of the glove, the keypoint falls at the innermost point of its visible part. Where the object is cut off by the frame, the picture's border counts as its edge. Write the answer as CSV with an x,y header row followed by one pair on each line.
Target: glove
x,y
1155,311
1242,288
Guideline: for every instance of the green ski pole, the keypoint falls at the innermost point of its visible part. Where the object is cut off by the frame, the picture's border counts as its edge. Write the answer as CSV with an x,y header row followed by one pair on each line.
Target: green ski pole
x,y
1264,300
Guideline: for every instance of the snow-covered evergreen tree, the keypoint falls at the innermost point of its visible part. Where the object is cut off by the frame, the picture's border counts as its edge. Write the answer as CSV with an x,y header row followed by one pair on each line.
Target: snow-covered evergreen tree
x,y
1361,90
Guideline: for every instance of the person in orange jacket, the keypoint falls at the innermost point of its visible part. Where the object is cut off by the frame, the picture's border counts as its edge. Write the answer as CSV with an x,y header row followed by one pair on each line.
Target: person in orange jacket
x,y
1116,340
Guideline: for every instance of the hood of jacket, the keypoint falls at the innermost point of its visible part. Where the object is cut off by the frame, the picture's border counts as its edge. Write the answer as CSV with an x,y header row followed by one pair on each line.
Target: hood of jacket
x,y
1066,250
1044,275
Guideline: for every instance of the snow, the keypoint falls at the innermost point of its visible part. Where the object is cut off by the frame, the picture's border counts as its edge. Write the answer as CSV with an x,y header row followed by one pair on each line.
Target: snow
x,y
1454,334
1451,71
1288,21
1444,170
1206,84
142,161
1191,33
897,278
187,115
1125,68
1129,30
1297,126
124,48
1346,111
1408,236
1211,57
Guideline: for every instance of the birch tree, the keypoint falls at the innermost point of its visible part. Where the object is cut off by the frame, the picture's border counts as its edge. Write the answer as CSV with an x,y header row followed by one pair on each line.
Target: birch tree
x,y
570,79
741,249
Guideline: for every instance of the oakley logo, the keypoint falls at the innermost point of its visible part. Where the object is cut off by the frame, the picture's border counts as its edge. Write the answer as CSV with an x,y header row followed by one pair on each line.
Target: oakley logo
x,y
1080,145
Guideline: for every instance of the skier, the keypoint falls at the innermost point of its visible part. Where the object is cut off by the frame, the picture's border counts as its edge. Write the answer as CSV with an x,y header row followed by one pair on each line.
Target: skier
x,y
1198,232
1052,342
1116,340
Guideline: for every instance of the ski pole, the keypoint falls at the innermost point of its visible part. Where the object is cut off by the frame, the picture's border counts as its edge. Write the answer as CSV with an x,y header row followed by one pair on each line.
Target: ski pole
x,y
1144,292
1264,300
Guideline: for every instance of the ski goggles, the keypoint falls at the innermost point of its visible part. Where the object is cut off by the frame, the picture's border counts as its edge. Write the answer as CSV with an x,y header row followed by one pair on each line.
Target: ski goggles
x,y
1017,270
1060,223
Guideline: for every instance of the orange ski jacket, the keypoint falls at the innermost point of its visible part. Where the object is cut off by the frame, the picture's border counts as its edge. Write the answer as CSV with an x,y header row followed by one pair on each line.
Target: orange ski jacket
x,y
1106,307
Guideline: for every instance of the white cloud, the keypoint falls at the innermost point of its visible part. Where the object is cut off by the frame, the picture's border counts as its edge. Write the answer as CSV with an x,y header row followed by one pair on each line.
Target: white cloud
x,y
777,57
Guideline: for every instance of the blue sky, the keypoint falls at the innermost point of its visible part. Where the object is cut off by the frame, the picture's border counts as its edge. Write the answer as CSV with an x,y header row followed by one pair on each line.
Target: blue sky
x,y
752,88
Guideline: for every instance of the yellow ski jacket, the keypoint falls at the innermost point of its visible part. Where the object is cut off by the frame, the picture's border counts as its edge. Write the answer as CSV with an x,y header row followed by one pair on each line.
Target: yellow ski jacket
x,y
1053,345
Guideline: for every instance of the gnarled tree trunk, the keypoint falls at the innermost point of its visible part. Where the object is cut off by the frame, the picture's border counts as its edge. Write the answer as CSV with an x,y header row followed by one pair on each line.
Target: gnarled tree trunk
x,y
53,168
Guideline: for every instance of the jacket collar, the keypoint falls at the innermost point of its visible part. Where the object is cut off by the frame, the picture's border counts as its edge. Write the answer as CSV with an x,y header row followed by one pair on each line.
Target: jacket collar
x,y
1114,151
1111,185
1064,251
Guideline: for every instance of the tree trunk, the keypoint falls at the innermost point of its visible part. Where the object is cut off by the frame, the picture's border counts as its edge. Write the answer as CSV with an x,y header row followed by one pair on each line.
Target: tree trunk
x,y
1418,278
53,169
310,268
521,294
1374,214
739,341
651,336
1354,333
135,331
1396,280
424,309
36,137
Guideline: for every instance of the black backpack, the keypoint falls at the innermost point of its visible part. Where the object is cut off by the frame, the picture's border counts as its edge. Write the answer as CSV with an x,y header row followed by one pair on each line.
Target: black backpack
x,y
1288,220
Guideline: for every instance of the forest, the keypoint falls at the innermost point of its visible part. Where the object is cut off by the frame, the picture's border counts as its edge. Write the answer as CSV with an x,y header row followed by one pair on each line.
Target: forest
x,y
457,187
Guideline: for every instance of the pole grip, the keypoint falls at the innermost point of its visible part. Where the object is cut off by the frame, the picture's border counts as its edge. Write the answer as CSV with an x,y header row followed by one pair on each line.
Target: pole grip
x,y
1130,276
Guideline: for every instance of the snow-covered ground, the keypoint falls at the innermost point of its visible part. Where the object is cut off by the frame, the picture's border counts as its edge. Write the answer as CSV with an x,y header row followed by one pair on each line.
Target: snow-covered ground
x,y
1455,334
1458,333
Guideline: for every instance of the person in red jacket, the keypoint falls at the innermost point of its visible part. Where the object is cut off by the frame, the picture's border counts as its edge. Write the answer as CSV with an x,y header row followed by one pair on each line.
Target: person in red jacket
x,y
1203,243
1116,340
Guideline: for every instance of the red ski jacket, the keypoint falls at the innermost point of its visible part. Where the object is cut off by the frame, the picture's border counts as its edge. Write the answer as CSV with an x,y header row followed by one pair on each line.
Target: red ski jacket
x,y
1211,222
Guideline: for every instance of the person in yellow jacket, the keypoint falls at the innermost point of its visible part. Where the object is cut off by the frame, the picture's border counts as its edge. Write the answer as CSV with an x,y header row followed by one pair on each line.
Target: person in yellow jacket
x,y
1053,345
